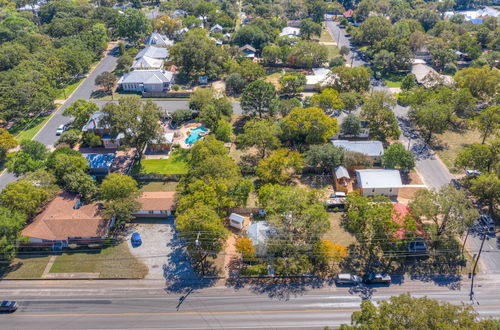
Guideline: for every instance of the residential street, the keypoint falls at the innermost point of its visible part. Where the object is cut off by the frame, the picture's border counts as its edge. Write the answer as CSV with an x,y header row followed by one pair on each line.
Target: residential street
x,y
433,172
47,135
149,304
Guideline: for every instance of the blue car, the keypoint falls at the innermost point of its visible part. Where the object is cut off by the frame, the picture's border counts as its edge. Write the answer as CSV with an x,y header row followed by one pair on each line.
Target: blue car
x,y
136,239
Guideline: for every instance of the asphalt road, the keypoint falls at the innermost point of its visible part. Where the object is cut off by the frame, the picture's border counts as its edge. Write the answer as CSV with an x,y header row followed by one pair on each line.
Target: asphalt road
x,y
432,170
149,305
172,105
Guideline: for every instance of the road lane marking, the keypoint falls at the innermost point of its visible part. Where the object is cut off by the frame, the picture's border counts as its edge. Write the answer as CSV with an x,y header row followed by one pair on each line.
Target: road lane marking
x,y
184,313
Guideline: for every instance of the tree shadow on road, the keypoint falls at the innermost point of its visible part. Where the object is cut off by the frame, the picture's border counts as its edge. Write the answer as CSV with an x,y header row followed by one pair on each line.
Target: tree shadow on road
x,y
279,288
179,273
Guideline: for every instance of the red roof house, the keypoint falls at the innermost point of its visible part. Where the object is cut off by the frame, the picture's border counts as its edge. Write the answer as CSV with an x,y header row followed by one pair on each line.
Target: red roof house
x,y
348,13
400,211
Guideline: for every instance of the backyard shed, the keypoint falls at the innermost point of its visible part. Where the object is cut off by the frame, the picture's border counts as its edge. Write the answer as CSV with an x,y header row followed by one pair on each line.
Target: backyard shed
x,y
236,220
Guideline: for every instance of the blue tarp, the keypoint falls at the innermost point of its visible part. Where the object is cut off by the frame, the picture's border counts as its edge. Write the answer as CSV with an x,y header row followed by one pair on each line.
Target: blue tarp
x,y
100,161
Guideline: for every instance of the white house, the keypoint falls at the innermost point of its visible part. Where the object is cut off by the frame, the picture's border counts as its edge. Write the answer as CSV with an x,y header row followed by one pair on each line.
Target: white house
x,y
290,32
156,204
379,182
236,220
148,63
153,52
258,232
372,149
317,79
146,81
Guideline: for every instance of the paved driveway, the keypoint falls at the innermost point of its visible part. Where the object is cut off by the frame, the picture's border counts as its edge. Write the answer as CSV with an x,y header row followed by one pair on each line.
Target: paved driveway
x,y
161,250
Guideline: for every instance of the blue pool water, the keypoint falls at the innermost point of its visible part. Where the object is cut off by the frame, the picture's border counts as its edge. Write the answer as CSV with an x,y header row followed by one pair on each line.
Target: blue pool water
x,y
195,135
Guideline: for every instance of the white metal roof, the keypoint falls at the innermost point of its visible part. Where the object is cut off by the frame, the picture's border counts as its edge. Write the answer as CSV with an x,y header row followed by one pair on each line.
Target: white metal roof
x,y
379,178
237,218
146,77
258,232
369,148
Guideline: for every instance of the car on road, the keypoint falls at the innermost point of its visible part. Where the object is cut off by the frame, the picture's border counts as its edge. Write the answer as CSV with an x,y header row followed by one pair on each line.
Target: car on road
x,y
347,279
377,278
136,239
417,246
8,306
61,129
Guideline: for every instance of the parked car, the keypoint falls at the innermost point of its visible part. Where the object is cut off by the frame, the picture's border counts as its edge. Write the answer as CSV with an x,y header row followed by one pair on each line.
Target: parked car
x,y
457,184
472,173
136,239
338,194
417,246
8,306
347,279
60,130
487,222
377,278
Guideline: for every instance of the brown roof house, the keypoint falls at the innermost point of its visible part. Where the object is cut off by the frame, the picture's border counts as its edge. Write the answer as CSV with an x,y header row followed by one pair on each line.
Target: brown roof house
x,y
157,204
66,220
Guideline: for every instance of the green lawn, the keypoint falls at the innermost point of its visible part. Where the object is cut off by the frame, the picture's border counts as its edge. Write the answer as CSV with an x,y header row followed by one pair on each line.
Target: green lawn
x,y
27,129
394,80
23,267
452,143
175,164
66,91
158,186
111,262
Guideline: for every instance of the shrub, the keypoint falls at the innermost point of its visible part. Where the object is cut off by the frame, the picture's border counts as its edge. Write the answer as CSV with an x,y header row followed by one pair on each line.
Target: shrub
x,y
91,140
255,270
181,115
70,137
176,87
337,61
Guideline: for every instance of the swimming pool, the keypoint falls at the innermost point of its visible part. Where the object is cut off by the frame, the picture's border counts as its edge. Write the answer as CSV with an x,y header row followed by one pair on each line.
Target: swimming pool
x,y
195,134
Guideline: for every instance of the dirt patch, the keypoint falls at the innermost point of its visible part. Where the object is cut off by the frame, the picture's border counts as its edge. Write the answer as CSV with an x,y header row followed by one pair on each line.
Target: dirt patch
x,y
407,194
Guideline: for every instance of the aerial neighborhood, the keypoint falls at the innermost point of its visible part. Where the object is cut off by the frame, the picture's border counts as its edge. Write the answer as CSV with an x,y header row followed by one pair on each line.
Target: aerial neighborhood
x,y
250,141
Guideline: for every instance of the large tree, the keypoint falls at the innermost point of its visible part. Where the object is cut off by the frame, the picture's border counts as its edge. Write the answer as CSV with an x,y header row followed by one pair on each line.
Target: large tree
x,y
382,122
22,196
480,157
308,126
139,122
292,83
396,156
106,80
324,156
81,110
203,231
261,134
280,166
406,312
11,223
486,188
259,98
308,28
7,141
448,209
197,55
482,82
117,186
345,79
329,100
133,25
488,122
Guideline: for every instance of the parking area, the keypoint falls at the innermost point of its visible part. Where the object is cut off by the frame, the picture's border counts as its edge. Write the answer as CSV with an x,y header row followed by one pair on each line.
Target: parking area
x,y
161,250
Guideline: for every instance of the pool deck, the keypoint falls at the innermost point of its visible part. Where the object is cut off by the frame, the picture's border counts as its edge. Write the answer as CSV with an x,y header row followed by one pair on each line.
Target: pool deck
x,y
182,133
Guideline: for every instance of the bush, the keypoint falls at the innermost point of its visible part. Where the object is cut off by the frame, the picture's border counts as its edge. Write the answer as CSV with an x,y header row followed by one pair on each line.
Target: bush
x,y
176,87
181,115
70,138
235,83
450,69
224,131
255,270
337,61
91,140
72,246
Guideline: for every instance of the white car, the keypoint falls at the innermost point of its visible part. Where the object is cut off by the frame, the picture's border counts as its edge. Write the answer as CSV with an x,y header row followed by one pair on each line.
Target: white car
x,y
60,129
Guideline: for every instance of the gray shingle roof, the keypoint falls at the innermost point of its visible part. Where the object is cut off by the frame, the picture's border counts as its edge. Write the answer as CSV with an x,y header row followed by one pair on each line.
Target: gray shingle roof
x,y
146,77
153,52
369,148
379,178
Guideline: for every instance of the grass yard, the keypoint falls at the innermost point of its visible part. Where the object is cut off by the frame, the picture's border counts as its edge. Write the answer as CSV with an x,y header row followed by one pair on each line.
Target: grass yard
x,y
274,79
112,262
21,267
394,80
337,234
65,92
175,164
452,143
326,36
158,186
27,129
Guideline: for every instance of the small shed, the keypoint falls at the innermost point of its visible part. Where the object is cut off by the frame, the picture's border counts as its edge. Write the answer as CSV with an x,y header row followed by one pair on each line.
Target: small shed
x,y
342,178
100,164
236,220
249,51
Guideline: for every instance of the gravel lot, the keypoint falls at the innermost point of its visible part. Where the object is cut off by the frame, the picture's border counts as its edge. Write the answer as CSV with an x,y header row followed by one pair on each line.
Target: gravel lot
x,y
161,250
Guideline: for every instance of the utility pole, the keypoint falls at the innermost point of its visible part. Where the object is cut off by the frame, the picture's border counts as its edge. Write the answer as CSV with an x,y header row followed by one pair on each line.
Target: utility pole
x,y
474,269
198,245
